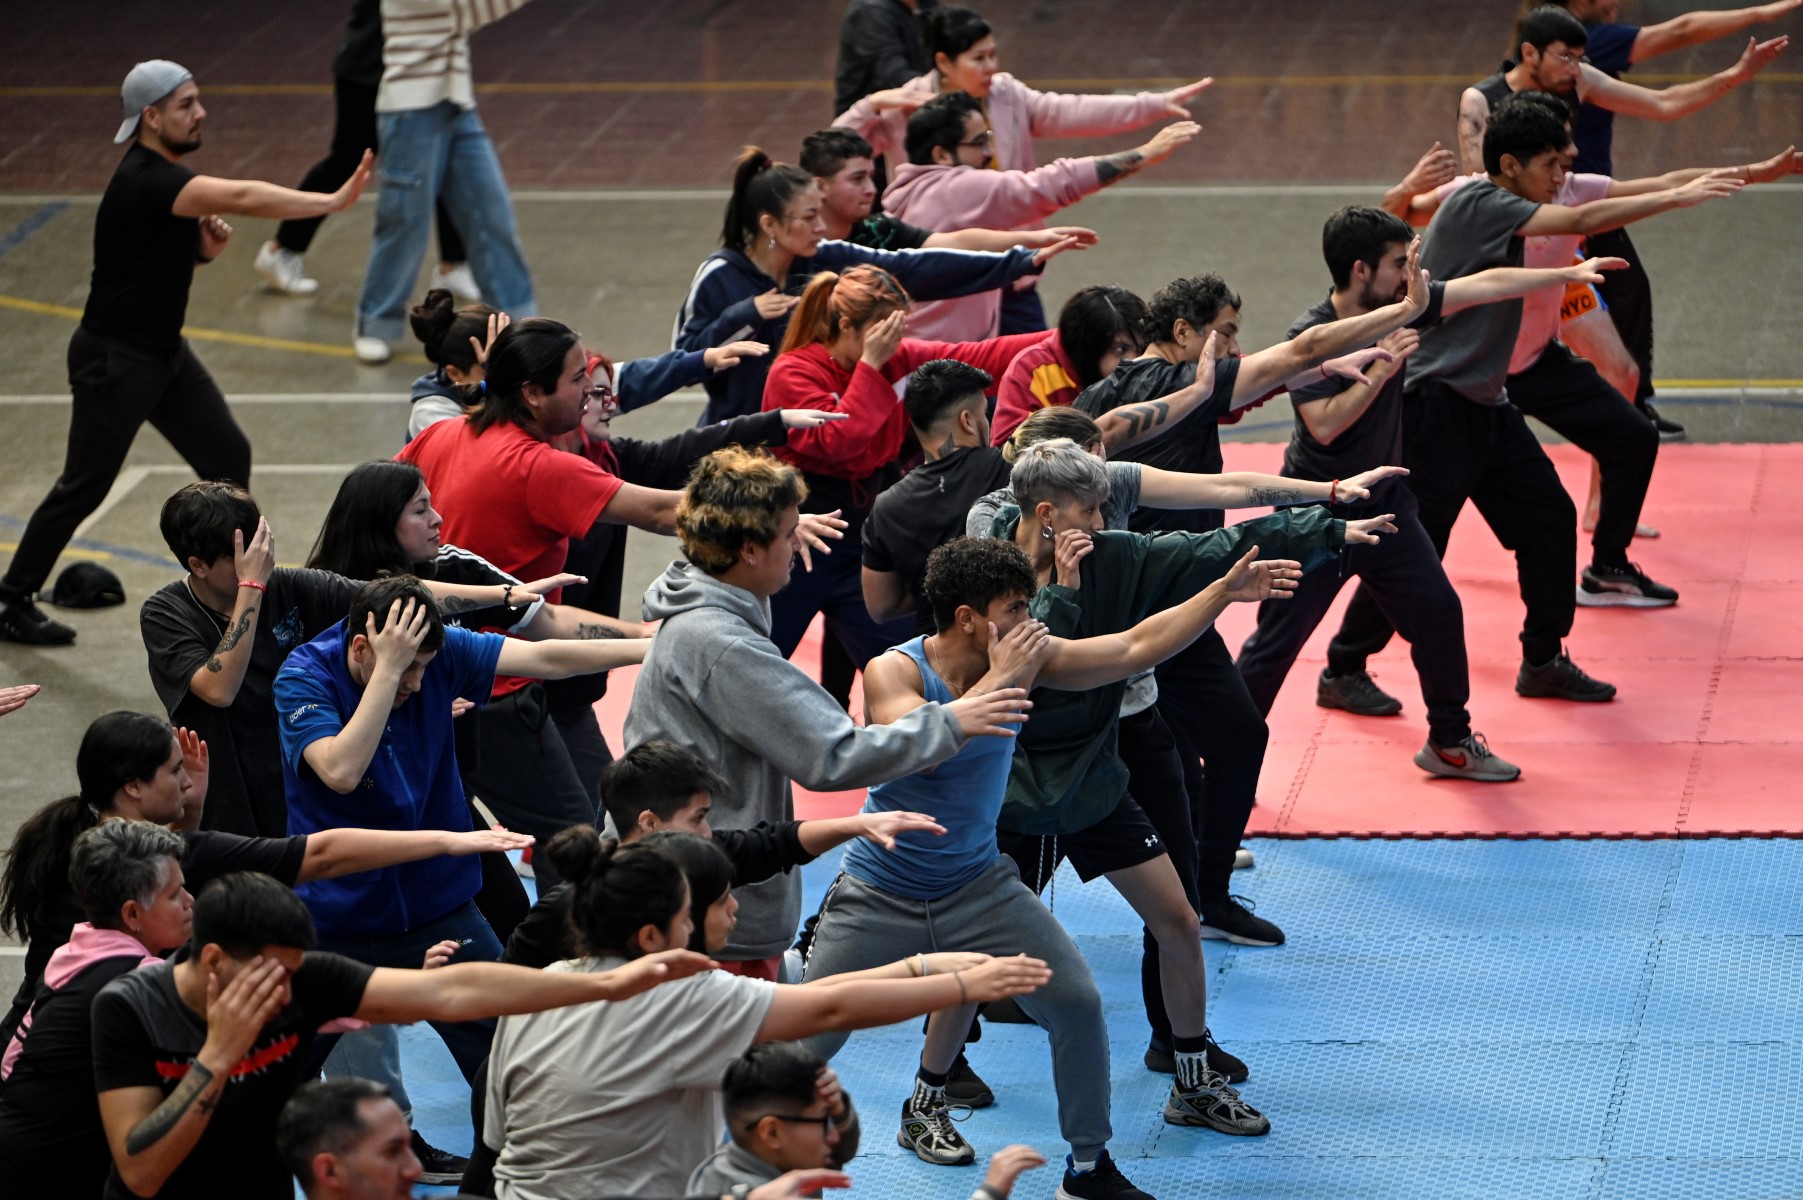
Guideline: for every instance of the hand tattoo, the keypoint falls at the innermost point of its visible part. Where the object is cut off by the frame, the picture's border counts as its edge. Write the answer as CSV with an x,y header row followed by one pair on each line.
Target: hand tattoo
x,y
590,631
232,637
167,1115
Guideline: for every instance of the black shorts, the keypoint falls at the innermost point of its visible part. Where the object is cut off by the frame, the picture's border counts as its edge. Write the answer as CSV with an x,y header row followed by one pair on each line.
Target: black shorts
x,y
1124,838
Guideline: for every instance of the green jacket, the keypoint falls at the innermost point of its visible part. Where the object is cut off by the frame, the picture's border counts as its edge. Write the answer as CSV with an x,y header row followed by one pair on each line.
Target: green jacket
x,y
1066,773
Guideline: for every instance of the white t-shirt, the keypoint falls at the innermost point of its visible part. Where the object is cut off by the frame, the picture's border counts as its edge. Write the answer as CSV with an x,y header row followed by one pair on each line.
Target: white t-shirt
x,y
617,1097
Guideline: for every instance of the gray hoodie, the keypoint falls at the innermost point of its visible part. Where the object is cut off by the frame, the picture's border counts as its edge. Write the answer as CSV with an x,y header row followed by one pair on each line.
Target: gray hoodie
x,y
716,683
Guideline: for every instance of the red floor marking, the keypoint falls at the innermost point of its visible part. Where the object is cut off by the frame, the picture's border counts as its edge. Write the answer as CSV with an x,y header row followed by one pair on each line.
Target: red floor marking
x,y
1703,738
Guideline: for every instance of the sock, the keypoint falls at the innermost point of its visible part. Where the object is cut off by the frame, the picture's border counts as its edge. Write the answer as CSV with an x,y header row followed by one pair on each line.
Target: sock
x,y
1081,1166
929,1088
1192,1061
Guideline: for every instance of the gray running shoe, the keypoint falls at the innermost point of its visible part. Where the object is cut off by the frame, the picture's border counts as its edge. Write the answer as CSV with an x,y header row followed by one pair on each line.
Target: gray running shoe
x,y
1471,758
927,1129
1215,1105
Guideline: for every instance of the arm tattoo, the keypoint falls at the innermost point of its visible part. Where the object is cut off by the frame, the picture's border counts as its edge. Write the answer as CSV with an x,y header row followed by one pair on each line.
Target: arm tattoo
x,y
590,631
457,604
1272,495
167,1115
1110,167
232,637
1144,417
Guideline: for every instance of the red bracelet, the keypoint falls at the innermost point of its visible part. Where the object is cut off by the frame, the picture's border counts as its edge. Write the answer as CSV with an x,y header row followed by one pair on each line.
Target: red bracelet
x,y
1332,490
261,587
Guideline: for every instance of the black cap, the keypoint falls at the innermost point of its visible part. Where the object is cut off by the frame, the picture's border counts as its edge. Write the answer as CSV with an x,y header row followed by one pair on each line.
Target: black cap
x,y
87,585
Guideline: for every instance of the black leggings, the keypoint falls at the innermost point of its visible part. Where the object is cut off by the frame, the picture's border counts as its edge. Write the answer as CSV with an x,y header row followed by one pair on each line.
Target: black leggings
x,y
353,132
117,388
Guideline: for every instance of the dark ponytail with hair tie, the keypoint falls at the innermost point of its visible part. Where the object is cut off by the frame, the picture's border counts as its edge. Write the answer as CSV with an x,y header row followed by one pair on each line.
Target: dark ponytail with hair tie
x,y
615,890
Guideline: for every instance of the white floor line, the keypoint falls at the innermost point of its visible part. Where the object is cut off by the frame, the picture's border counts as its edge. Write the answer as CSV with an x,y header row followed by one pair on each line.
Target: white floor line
x,y
122,487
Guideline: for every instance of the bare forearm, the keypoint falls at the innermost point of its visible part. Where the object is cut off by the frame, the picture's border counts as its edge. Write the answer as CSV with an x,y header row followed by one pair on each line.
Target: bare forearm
x,y
334,852
255,198
579,624
454,598
1599,216
341,760
1111,168
817,837
1696,28
1096,662
477,991
1297,363
1250,489
1498,283
1328,419
562,658
157,1145
995,241
219,678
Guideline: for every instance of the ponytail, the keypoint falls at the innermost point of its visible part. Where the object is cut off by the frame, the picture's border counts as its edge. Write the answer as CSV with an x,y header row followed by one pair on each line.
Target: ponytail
x,y
1047,424
760,188
528,351
615,890
37,866
445,330
832,302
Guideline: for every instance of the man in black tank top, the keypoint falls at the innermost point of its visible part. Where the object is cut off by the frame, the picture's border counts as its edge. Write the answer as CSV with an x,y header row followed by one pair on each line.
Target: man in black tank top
x,y
128,362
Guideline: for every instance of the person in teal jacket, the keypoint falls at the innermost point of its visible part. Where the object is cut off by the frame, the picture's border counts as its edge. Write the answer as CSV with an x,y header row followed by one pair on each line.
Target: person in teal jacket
x,y
1067,787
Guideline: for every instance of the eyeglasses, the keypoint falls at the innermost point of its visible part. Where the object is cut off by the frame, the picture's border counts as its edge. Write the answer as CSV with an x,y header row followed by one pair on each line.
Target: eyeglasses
x,y
827,1123
983,141
1569,59
602,395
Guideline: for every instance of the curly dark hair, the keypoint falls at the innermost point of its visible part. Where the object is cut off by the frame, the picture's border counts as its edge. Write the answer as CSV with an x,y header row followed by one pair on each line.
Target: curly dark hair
x,y
1197,299
975,572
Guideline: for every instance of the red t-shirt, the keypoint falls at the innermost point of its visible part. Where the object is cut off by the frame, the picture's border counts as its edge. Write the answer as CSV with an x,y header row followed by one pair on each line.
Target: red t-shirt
x,y
1039,377
509,497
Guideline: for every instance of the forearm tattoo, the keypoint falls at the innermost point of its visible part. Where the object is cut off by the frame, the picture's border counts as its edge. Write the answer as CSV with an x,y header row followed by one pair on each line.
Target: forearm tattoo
x,y
167,1115
1110,167
591,631
1144,417
457,604
233,636
1272,495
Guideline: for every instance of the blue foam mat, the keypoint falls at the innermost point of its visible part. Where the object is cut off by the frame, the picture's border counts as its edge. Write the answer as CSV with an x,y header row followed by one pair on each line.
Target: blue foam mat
x,y
1448,1019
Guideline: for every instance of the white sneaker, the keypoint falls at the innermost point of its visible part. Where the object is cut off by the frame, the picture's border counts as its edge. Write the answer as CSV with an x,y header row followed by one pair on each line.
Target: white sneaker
x,y
459,279
281,269
371,350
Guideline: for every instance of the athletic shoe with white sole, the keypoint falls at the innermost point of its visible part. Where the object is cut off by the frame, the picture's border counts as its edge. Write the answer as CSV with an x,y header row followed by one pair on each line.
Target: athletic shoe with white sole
x,y
1355,693
1103,1181
1562,679
1230,919
1215,1105
1243,860
1626,586
459,279
371,351
1471,758
437,1166
283,271
927,1129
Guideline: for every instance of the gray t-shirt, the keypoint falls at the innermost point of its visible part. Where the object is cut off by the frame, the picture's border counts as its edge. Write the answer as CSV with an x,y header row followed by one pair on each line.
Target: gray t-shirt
x,y
1468,352
617,1097
1123,498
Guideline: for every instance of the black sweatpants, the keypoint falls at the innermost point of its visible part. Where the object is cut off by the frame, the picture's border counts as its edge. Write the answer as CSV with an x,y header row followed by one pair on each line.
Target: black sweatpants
x,y
1568,394
1409,586
1155,778
353,132
1456,451
1211,716
117,388
1629,295
525,775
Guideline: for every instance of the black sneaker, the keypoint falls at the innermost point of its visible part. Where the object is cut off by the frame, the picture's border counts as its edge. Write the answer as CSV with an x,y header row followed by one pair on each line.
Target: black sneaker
x,y
1104,1181
964,1086
1562,679
1355,693
438,1166
24,622
1163,1060
1626,586
1669,431
1230,919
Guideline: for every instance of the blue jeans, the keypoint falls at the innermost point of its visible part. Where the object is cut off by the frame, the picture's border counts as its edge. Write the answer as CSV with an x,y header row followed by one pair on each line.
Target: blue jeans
x,y
468,1041
373,1053
428,154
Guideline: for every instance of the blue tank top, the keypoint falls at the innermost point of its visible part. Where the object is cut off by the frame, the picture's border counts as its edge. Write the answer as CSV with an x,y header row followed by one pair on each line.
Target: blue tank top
x,y
963,793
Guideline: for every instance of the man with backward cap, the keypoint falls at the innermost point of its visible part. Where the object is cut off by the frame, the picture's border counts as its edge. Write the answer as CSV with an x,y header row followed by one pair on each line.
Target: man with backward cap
x,y
128,362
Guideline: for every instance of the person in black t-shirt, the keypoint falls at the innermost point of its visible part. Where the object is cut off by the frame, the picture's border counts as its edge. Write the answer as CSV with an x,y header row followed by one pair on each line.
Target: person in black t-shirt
x,y
840,162
1344,428
194,1058
133,766
128,363
129,877
949,413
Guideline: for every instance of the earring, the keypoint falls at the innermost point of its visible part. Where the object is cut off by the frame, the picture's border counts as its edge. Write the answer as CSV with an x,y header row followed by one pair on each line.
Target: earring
x,y
773,243
1045,531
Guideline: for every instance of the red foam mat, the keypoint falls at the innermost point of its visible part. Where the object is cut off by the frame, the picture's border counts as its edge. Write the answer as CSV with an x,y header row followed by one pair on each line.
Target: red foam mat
x,y
1703,739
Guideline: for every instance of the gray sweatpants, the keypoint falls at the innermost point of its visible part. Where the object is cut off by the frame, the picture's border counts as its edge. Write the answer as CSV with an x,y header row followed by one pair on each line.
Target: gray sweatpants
x,y
862,927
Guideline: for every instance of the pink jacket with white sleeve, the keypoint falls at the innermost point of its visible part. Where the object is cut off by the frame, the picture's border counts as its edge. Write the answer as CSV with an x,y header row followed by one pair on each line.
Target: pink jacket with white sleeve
x,y
1017,113
945,198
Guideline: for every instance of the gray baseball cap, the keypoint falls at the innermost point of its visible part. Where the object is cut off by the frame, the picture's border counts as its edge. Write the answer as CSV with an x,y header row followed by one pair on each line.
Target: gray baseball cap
x,y
147,83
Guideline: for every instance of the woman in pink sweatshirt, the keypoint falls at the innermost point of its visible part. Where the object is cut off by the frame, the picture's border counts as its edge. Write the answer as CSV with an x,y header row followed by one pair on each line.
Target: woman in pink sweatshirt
x,y
964,60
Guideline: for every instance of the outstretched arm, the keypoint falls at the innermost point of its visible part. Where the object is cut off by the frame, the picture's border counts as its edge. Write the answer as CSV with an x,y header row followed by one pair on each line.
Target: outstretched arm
x,y
1600,215
1509,283
1694,28
345,851
561,658
476,991
206,195
1681,99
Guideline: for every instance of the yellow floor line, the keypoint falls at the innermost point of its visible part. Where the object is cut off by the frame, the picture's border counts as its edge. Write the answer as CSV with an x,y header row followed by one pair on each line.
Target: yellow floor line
x,y
213,335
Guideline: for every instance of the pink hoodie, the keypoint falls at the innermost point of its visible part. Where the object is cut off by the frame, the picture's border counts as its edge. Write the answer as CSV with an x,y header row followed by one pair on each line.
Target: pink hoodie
x,y
1017,113
943,198
85,947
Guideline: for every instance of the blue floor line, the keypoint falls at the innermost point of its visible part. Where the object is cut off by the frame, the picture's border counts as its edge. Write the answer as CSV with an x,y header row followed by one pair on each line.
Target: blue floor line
x,y
1448,1019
